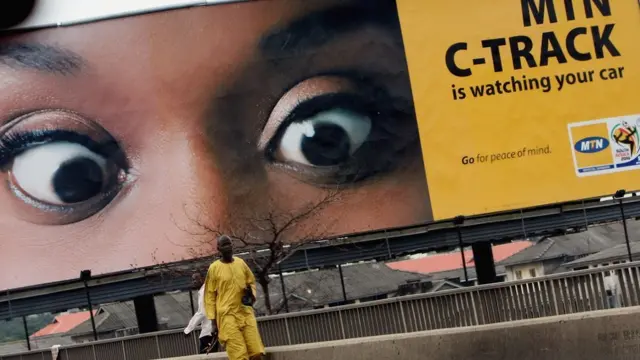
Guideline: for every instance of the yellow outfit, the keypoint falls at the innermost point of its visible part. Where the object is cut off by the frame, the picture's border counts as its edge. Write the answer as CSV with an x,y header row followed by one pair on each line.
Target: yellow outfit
x,y
237,326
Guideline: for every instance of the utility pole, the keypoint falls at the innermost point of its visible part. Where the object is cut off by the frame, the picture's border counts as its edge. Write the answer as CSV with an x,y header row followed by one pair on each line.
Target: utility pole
x,y
619,195
85,276
458,221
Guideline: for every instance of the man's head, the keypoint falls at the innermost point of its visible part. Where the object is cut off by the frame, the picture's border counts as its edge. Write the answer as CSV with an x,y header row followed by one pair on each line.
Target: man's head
x,y
197,280
225,247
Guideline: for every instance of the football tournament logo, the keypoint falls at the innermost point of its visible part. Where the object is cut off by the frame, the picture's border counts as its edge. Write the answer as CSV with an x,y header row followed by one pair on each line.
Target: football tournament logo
x,y
625,136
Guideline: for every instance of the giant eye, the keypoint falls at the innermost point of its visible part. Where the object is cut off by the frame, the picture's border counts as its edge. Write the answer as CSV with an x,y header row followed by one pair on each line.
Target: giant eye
x,y
338,130
328,138
60,167
63,173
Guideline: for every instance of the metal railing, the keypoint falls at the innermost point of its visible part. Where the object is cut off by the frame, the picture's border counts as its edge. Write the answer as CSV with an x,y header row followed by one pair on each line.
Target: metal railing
x,y
558,294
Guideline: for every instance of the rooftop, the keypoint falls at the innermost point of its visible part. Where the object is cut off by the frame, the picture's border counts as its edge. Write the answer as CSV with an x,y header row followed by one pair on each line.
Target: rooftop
x,y
63,323
323,287
616,253
595,239
457,275
453,261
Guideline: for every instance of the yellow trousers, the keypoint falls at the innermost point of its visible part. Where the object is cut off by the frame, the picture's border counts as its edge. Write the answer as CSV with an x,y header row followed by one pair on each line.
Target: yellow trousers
x,y
240,337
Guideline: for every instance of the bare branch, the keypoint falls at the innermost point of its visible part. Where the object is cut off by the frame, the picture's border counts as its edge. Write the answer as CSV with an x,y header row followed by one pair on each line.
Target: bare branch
x,y
267,235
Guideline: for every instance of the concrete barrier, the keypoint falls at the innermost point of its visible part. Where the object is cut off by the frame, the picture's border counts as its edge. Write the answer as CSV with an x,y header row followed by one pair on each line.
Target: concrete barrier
x,y
607,334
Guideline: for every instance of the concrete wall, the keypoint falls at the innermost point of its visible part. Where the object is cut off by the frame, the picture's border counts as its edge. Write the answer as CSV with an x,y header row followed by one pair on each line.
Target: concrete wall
x,y
608,334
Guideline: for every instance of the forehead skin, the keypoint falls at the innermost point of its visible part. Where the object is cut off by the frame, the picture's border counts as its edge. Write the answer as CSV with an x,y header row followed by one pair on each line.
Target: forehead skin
x,y
146,79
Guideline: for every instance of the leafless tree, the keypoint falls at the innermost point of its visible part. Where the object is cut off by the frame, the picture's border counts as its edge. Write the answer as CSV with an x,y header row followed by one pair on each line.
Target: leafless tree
x,y
266,236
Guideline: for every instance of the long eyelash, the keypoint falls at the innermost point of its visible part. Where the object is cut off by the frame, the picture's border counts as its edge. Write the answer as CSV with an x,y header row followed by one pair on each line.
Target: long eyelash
x,y
14,144
321,103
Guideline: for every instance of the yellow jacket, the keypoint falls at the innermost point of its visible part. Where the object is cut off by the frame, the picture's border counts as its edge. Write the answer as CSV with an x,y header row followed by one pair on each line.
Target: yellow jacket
x,y
224,288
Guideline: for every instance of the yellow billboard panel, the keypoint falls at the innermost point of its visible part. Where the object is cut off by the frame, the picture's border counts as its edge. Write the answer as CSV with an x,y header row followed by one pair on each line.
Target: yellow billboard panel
x,y
524,103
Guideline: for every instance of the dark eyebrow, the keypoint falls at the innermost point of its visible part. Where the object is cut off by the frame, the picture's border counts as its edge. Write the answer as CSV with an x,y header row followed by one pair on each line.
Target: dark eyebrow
x,y
46,58
318,28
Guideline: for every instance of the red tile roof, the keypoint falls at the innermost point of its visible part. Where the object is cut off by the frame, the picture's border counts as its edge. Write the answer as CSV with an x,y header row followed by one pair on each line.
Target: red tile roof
x,y
453,261
63,323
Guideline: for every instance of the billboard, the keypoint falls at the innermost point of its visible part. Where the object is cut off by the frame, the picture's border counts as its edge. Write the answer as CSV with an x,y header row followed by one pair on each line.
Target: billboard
x,y
524,103
128,127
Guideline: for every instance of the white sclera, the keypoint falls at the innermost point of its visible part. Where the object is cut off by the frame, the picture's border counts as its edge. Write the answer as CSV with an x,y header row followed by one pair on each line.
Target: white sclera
x,y
356,126
34,169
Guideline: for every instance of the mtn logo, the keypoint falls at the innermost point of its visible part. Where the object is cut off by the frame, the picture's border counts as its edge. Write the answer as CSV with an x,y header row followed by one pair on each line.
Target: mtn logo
x,y
591,144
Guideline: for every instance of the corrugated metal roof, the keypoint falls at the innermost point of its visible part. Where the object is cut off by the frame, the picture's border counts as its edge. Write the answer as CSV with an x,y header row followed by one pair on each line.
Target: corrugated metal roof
x,y
616,253
63,323
596,239
323,287
458,274
452,261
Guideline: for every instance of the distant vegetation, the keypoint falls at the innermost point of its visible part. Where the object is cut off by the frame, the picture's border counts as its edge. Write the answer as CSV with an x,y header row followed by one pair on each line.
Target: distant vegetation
x,y
14,329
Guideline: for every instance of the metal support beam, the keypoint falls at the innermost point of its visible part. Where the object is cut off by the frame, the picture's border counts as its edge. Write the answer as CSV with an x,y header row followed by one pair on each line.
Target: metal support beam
x,y
458,221
284,291
344,290
85,276
193,308
146,316
26,332
483,260
620,195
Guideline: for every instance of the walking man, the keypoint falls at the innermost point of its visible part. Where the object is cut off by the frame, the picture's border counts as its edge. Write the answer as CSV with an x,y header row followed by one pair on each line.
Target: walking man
x,y
208,341
229,295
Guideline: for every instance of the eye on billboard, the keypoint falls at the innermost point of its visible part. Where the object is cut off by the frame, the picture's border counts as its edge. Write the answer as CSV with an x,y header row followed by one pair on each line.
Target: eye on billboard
x,y
134,123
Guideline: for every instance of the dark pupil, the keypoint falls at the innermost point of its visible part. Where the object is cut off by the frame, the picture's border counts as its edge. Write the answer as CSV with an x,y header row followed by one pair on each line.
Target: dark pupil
x,y
78,180
329,145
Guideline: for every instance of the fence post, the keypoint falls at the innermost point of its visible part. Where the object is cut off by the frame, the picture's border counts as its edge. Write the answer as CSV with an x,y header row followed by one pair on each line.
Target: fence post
x,y
473,303
286,326
404,319
344,334
124,350
158,347
196,342
93,350
555,300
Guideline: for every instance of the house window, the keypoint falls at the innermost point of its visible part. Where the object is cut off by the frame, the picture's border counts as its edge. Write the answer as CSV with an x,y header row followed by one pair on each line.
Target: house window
x,y
532,273
518,275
